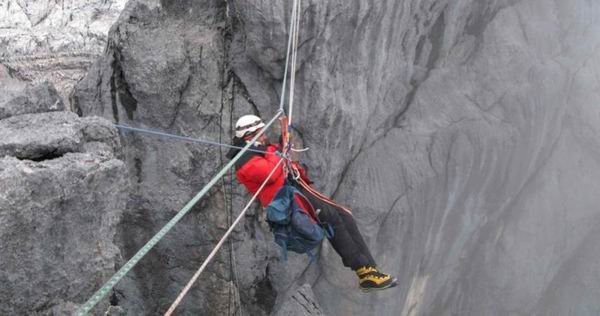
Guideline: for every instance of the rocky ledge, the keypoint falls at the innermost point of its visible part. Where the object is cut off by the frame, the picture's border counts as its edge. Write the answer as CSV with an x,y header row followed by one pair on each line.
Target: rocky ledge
x,y
62,193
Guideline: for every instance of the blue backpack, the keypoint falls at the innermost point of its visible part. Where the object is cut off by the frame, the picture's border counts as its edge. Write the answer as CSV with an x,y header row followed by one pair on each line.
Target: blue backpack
x,y
292,227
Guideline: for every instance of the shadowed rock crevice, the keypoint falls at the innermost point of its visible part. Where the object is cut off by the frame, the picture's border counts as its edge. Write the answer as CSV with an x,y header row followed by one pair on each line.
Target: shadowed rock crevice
x,y
242,91
54,154
265,295
120,94
435,39
301,302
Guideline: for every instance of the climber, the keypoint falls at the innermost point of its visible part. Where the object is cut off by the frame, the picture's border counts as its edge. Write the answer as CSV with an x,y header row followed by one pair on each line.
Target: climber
x,y
252,170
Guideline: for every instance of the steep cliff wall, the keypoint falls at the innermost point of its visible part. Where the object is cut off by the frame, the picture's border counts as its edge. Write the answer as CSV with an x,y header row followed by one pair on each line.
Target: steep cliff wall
x,y
462,133
167,68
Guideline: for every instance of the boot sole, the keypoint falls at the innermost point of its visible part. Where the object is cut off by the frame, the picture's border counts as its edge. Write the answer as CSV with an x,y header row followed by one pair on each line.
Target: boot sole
x,y
391,285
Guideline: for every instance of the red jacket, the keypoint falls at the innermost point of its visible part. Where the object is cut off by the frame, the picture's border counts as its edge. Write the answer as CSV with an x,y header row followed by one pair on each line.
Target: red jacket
x,y
255,171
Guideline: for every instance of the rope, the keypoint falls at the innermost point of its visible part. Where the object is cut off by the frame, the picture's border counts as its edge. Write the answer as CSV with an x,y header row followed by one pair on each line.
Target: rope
x,y
101,293
218,246
186,138
285,132
287,55
296,31
321,196
292,46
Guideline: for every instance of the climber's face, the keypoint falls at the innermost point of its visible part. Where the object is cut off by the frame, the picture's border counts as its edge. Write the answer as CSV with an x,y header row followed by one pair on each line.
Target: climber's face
x,y
263,139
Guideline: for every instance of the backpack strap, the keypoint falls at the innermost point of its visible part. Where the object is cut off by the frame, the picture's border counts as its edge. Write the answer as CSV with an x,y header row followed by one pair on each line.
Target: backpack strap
x,y
311,209
327,228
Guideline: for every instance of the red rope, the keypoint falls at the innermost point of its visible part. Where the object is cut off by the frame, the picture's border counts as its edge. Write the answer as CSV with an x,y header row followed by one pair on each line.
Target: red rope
x,y
321,196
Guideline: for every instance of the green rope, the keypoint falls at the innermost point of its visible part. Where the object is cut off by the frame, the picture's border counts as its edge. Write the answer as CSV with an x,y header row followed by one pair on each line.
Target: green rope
x,y
103,291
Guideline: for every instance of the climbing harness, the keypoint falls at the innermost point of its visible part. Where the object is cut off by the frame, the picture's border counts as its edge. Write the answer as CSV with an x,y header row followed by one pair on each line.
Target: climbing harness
x,y
295,173
290,168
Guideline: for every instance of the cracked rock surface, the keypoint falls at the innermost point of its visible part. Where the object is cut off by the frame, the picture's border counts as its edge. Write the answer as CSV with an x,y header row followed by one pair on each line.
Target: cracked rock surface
x,y
165,68
62,194
463,134
47,26
301,303
20,97
46,135
55,41
57,223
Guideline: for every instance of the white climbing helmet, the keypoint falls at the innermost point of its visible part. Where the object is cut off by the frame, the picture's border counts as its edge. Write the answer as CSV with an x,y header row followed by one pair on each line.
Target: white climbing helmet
x,y
248,124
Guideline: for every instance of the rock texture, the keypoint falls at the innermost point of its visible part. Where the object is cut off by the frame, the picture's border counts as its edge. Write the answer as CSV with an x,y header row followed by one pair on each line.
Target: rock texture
x,y
301,303
49,135
62,193
461,132
56,41
20,97
166,68
464,134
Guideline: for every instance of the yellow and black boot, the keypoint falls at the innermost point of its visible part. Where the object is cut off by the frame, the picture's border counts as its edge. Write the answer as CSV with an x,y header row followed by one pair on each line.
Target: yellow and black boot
x,y
371,279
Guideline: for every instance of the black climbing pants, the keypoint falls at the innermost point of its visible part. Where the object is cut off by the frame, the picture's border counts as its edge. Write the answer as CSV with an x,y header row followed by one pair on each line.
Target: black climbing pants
x,y
347,240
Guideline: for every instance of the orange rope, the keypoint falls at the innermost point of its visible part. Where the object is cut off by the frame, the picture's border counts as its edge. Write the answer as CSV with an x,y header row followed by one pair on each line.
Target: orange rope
x,y
321,196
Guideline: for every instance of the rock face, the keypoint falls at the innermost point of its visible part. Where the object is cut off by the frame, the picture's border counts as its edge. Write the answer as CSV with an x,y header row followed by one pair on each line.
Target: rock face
x,y
301,303
166,68
464,134
55,41
46,26
62,193
48,135
20,97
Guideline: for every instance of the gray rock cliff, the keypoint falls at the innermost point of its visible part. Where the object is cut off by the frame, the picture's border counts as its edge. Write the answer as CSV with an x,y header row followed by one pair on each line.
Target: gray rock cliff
x,y
166,68
62,192
301,303
55,41
20,97
463,134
